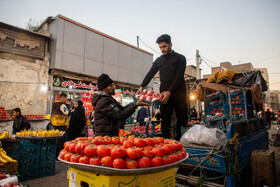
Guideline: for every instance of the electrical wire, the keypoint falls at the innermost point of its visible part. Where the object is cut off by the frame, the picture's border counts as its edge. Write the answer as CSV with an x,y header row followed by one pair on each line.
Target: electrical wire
x,y
209,60
207,64
148,46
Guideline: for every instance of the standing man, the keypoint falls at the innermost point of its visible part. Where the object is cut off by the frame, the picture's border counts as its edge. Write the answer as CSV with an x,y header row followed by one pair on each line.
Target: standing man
x,y
171,66
268,116
141,115
59,119
108,112
60,112
20,122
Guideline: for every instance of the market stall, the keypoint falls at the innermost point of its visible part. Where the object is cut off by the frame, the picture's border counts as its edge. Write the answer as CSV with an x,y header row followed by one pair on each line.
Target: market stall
x,y
124,161
233,127
29,154
37,121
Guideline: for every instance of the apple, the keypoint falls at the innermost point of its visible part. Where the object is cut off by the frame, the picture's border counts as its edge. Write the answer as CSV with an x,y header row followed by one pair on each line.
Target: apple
x,y
143,97
154,99
145,91
156,94
137,96
150,93
149,98
160,97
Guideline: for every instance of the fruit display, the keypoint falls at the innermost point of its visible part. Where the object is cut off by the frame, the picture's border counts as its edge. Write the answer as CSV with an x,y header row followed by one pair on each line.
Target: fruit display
x,y
34,117
123,153
4,158
122,132
4,134
39,133
214,111
141,130
4,114
149,96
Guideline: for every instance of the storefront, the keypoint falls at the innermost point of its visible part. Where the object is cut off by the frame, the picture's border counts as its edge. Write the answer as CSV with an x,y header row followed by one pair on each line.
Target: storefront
x,y
83,90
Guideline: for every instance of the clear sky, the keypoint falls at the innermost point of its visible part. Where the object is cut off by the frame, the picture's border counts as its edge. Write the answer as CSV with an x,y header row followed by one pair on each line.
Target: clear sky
x,y
238,31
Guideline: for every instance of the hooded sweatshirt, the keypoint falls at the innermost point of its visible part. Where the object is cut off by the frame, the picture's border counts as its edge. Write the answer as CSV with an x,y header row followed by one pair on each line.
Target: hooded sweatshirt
x,y
108,114
172,69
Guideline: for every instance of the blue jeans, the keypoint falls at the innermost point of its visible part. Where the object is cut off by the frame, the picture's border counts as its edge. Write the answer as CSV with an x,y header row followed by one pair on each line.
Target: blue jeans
x,y
153,129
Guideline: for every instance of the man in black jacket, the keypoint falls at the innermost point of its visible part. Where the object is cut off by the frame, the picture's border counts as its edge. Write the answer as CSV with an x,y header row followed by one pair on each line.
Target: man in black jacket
x,y
141,115
108,112
20,122
171,66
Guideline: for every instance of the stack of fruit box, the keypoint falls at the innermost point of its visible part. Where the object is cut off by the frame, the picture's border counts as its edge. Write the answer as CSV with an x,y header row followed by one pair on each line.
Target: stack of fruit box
x,y
29,159
47,157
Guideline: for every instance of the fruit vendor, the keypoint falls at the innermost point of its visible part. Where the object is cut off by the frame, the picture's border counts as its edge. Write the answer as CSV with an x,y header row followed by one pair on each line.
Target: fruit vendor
x,y
108,112
20,122
59,119
60,113
171,66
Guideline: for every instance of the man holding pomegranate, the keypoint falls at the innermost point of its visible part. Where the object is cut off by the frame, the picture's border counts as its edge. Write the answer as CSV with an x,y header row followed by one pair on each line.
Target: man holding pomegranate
x,y
171,66
108,112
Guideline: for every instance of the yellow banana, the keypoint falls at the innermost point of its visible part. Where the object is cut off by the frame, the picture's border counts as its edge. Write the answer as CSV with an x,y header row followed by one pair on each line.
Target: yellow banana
x,y
3,161
6,157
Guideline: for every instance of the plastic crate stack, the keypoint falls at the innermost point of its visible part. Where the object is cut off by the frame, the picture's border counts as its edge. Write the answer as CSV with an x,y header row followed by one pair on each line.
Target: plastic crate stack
x,y
47,157
12,148
29,167
36,158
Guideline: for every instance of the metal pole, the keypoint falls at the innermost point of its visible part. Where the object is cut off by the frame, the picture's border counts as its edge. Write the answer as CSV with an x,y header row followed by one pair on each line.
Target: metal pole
x,y
138,41
229,104
197,77
245,103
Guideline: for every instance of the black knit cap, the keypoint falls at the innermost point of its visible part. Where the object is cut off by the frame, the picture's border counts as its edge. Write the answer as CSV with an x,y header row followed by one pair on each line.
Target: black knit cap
x,y
164,38
103,81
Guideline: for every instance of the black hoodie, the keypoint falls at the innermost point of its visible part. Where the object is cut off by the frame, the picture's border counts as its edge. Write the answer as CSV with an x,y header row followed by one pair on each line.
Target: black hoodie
x,y
172,69
108,114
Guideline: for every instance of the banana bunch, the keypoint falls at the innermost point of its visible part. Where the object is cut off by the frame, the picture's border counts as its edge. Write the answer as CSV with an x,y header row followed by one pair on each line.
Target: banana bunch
x,y
5,134
41,133
4,158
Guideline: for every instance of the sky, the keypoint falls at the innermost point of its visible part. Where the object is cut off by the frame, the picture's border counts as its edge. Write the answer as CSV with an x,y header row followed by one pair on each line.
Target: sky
x,y
237,31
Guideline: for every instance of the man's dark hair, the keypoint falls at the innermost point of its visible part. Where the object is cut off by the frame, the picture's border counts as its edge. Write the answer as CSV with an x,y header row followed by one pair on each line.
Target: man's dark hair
x,y
62,95
17,110
164,38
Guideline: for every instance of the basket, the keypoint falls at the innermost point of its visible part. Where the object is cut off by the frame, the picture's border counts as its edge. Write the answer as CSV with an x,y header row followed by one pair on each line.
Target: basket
x,y
154,104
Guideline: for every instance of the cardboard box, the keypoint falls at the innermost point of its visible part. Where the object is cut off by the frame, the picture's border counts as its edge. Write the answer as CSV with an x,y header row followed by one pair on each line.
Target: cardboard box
x,y
79,178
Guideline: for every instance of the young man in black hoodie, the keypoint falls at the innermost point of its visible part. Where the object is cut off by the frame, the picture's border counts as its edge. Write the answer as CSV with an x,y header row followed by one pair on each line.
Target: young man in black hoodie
x,y
20,122
171,66
108,112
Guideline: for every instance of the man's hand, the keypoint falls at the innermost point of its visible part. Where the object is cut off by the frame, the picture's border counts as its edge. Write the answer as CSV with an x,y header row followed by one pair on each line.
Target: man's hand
x,y
141,103
140,90
166,96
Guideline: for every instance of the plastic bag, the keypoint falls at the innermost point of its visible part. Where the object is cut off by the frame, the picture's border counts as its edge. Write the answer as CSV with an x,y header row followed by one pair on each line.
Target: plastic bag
x,y
200,134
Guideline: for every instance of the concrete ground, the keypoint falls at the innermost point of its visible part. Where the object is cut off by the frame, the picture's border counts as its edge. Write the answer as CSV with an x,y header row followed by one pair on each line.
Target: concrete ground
x,y
60,178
